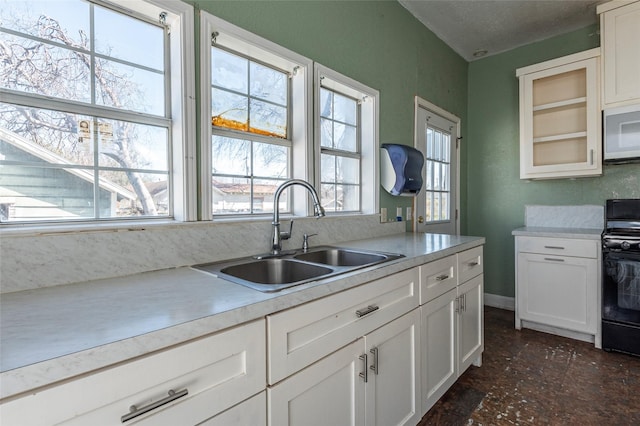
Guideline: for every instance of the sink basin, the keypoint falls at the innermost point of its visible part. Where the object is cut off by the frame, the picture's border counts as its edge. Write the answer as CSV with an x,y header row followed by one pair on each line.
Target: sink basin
x,y
341,257
276,273
268,274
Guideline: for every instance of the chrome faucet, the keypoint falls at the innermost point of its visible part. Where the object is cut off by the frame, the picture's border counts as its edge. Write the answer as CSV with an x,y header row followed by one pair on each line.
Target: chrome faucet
x,y
278,236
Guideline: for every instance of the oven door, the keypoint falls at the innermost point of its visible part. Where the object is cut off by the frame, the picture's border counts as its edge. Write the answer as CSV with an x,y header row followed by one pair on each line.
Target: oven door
x,y
621,287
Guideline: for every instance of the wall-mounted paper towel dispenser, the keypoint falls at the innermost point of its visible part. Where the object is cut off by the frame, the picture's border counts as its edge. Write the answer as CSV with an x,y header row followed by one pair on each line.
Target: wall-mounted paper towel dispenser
x,y
401,169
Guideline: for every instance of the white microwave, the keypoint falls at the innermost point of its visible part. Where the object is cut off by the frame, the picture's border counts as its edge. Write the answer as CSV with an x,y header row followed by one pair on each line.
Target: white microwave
x,y
622,134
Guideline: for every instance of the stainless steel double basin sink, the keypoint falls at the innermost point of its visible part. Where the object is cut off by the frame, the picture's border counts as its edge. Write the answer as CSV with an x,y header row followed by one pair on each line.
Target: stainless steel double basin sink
x,y
277,273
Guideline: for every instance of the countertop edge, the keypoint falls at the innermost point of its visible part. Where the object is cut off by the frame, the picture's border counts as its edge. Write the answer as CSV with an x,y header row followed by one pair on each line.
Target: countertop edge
x,y
576,233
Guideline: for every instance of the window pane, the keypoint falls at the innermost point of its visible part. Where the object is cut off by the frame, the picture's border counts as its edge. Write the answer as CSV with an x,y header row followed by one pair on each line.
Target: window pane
x,y
345,137
437,145
436,206
446,147
328,168
436,176
326,133
137,89
34,67
131,145
429,153
328,197
231,156
231,195
33,135
123,37
229,71
268,84
344,109
133,194
445,177
348,170
270,160
268,119
326,103
229,110
263,192
25,16
37,193
429,205
348,198
429,174
444,205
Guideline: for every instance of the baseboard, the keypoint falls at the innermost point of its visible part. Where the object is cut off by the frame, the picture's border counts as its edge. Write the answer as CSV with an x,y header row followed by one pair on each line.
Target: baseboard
x,y
502,302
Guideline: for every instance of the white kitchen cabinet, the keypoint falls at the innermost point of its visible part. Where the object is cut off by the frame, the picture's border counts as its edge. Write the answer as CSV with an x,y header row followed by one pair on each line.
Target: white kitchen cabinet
x,y
187,385
452,324
302,335
560,122
250,412
557,284
620,42
372,381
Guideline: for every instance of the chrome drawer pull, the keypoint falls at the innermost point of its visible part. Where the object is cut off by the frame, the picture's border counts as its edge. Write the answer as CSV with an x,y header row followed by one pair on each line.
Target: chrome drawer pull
x,y
554,247
442,277
365,372
472,264
366,311
554,260
135,411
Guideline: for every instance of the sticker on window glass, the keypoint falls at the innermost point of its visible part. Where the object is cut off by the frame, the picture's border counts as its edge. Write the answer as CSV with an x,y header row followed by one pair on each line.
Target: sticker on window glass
x,y
85,143
105,132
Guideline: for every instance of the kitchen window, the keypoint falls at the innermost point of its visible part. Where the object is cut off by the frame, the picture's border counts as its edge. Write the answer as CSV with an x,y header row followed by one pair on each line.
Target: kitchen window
x,y
93,122
346,141
257,104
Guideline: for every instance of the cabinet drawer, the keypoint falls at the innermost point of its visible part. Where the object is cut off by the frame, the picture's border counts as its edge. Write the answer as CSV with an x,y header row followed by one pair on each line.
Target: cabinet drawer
x,y
437,278
470,264
217,371
304,334
558,246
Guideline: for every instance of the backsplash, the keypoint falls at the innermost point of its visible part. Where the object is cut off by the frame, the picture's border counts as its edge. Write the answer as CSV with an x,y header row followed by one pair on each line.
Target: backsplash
x,y
35,261
586,216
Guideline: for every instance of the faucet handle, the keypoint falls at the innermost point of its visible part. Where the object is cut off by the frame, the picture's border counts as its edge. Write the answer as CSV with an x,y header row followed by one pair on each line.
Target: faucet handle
x,y
285,235
305,241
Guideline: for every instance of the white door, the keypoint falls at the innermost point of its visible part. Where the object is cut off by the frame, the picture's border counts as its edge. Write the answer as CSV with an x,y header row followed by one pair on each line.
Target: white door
x,y
329,392
436,136
393,386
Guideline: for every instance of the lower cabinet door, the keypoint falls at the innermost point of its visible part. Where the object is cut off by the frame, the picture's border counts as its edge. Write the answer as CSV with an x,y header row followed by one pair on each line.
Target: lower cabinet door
x,y
439,346
328,392
470,323
559,291
393,387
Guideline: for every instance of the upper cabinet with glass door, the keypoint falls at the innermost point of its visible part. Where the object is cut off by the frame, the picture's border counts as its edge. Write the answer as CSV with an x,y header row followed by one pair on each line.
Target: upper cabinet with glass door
x,y
560,117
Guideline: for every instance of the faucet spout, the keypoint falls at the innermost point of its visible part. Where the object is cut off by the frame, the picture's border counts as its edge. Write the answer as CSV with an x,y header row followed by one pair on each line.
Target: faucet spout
x,y
278,236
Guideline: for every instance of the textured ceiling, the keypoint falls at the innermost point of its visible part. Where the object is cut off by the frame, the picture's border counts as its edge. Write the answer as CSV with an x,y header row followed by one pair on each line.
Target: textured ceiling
x,y
496,26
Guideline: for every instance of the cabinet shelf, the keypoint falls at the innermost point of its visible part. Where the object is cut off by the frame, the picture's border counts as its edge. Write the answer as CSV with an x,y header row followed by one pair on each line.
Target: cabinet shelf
x,y
561,137
560,104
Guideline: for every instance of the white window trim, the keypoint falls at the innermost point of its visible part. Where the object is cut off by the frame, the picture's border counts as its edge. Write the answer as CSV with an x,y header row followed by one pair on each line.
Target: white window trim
x,y
180,17
369,133
253,46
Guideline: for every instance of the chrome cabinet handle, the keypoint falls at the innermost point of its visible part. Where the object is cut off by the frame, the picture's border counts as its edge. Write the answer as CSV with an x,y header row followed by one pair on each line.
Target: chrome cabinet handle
x,y
464,302
553,260
365,373
442,277
374,366
457,305
554,247
474,263
362,312
591,157
135,411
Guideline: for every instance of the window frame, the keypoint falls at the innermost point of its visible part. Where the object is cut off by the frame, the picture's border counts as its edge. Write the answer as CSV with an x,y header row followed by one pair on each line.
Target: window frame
x,y
368,134
263,51
181,115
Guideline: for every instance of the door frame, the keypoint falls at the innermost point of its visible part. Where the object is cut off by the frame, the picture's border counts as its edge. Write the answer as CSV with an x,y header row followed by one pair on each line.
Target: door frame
x,y
424,104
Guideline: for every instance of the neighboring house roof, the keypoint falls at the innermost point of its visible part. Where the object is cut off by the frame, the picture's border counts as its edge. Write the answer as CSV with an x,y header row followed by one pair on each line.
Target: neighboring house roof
x,y
48,156
243,188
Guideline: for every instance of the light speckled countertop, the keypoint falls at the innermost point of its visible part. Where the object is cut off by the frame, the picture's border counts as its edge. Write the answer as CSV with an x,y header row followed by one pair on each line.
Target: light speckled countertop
x,y
55,333
578,233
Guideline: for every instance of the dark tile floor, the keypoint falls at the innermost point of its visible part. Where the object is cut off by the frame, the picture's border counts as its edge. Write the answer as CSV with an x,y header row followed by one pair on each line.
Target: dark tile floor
x,y
533,378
